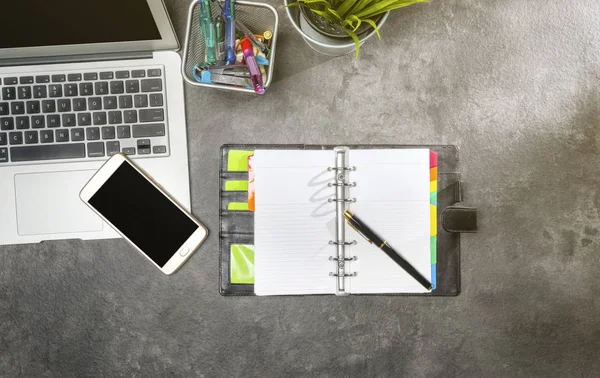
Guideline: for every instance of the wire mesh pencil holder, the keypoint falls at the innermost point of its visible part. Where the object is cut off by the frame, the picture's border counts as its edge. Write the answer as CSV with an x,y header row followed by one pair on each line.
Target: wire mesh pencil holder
x,y
258,17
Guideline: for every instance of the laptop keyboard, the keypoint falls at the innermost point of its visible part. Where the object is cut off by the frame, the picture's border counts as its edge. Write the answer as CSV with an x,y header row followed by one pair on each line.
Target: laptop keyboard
x,y
83,115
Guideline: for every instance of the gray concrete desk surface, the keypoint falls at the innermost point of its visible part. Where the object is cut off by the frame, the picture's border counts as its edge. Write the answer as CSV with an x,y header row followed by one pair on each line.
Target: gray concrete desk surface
x,y
514,83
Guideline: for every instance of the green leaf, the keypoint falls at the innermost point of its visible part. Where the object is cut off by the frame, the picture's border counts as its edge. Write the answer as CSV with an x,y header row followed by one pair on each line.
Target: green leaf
x,y
374,25
385,6
351,19
345,7
361,5
335,14
356,40
306,3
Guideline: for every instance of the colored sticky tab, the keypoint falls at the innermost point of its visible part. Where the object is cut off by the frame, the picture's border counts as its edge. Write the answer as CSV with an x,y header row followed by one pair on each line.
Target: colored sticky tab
x,y
236,185
237,160
241,206
433,159
251,196
433,198
433,186
433,276
433,248
433,217
433,173
242,264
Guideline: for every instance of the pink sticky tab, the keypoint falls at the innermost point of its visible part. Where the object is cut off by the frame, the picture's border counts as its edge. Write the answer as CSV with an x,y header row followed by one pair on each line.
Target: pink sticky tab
x,y
433,159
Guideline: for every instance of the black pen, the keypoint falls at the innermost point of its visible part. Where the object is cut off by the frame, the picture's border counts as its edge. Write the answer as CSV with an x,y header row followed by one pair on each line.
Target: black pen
x,y
372,237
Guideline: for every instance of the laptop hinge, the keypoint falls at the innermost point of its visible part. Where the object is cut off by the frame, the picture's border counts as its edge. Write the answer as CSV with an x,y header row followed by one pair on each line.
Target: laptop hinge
x,y
75,58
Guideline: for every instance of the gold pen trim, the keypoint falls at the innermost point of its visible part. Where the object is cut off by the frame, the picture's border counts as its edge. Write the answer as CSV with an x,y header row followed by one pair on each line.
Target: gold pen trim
x,y
382,244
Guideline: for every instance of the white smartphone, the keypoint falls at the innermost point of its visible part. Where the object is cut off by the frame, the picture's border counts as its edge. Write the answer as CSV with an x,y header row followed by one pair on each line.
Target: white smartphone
x,y
143,213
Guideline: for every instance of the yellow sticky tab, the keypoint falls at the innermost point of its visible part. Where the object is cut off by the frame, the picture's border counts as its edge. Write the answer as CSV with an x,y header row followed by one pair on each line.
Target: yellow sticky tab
x,y
239,185
242,206
433,215
237,160
433,186
242,264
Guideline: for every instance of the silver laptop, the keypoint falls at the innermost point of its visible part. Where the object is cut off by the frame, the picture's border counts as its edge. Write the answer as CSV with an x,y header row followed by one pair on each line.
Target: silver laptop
x,y
79,81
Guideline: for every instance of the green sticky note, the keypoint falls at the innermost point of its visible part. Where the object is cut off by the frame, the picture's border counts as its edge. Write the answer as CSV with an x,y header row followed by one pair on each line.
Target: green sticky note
x,y
243,206
237,160
236,185
242,264
433,246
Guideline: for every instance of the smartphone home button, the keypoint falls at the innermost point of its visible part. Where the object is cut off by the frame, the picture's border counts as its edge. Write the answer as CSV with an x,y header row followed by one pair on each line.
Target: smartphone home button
x,y
184,251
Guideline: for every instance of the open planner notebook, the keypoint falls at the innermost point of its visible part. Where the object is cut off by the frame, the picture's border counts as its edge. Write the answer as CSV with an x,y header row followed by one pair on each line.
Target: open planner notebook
x,y
303,243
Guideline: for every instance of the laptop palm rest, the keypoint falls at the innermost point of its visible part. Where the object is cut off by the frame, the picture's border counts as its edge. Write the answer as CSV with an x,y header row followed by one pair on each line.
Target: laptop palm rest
x,y
48,203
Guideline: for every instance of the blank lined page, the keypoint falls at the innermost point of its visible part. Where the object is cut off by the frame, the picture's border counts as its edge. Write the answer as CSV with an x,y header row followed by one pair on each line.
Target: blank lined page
x,y
293,222
392,198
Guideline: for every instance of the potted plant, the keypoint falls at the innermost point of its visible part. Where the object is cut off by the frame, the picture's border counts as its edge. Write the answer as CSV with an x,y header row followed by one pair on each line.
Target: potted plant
x,y
337,27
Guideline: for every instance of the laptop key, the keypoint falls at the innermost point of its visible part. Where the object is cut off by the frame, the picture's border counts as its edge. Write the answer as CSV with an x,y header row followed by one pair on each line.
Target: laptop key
x,y
26,80
125,102
94,103
152,115
123,132
48,152
95,149
149,130
64,105
4,108
38,122
46,136
101,88
108,132
112,148
86,89
122,75
53,120
155,72
31,137
99,118
62,135
11,81
55,90
138,73
117,87
130,116
151,85
42,79
3,139
132,86
24,93
33,107
84,119
110,102
115,117
90,76
156,99
7,123
140,101
17,107
79,104
159,149
129,150
16,137
71,90
40,91
59,78
3,155
74,77
9,93
69,120
48,106
22,123
77,135
92,133
106,76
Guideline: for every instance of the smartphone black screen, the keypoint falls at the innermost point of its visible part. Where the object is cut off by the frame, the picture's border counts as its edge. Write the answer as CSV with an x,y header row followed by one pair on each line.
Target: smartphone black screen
x,y
143,214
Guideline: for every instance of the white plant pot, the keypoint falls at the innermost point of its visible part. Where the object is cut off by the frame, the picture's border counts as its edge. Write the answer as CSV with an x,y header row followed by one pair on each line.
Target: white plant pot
x,y
321,43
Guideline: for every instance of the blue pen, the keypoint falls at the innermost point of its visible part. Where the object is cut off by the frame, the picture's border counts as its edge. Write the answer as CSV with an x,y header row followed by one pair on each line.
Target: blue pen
x,y
229,16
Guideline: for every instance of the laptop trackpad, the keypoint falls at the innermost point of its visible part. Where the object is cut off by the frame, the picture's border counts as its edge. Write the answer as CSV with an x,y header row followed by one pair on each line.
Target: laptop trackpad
x,y
48,203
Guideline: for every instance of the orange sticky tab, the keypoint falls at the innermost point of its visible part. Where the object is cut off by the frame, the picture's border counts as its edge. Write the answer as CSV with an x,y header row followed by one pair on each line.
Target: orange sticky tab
x,y
251,197
433,174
